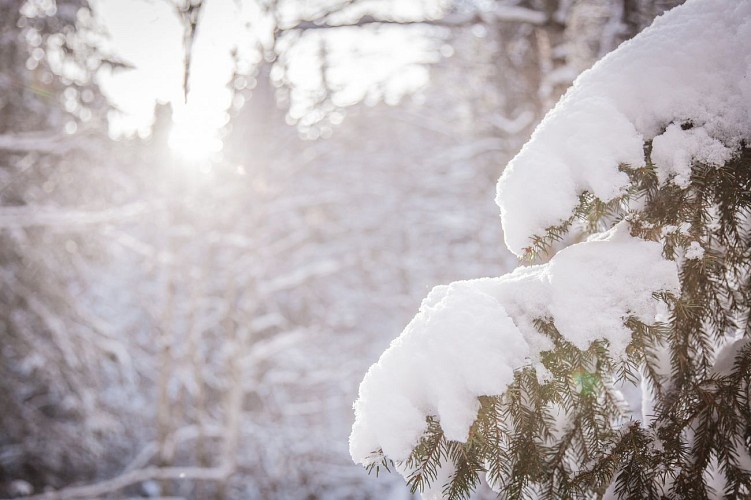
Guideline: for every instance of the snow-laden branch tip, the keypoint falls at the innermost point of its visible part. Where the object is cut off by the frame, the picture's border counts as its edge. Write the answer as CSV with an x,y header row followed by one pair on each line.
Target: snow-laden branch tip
x,y
470,336
682,84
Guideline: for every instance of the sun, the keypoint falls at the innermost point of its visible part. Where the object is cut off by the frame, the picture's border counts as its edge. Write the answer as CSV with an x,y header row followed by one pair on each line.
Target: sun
x,y
193,139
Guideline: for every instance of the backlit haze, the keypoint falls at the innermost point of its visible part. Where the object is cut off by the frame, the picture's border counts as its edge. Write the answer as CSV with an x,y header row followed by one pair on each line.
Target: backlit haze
x,y
147,35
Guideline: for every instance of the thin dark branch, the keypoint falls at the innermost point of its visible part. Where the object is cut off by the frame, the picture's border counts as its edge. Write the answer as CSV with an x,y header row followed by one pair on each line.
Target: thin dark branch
x,y
189,15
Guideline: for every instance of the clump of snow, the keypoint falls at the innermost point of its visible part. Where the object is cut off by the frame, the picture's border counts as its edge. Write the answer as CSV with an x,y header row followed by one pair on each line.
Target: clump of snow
x,y
461,345
676,149
470,336
690,66
694,251
672,229
596,285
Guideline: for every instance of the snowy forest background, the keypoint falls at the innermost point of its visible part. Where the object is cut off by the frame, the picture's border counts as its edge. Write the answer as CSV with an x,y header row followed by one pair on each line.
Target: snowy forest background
x,y
182,327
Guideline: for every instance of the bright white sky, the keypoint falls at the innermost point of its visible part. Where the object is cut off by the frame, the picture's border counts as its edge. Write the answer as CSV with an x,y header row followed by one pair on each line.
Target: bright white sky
x,y
148,35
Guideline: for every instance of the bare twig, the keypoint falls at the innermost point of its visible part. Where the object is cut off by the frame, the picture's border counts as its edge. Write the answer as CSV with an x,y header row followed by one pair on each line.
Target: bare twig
x,y
189,14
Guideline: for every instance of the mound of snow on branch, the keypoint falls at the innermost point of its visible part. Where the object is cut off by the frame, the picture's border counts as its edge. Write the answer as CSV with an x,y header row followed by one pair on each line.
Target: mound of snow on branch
x,y
470,336
691,68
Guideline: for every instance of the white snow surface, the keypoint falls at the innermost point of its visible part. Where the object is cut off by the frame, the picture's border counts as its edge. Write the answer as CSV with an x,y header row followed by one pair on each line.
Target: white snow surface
x,y
470,336
674,150
692,66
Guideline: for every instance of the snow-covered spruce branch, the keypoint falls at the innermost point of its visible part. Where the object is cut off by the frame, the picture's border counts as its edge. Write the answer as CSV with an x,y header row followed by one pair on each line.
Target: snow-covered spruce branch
x,y
639,195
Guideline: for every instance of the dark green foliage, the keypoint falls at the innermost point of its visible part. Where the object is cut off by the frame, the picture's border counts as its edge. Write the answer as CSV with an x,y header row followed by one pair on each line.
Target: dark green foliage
x,y
426,458
568,436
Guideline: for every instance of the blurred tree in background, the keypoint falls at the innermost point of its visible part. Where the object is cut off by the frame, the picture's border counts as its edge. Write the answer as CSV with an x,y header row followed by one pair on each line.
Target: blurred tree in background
x,y
196,329
58,359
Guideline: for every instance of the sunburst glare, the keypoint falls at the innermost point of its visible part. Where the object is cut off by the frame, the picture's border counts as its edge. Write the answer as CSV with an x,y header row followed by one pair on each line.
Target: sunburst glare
x,y
194,139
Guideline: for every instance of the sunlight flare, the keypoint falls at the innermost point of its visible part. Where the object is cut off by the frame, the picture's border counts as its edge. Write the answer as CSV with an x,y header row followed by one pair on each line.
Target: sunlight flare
x,y
193,139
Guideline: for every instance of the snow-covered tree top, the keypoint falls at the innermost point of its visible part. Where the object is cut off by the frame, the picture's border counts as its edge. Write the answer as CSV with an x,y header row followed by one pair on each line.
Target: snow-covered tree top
x,y
683,84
